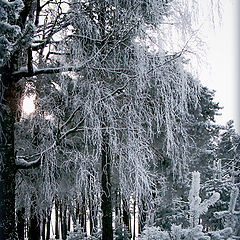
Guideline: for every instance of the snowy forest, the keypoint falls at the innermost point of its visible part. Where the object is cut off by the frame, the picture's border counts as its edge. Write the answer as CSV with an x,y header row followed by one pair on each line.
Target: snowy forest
x,y
122,142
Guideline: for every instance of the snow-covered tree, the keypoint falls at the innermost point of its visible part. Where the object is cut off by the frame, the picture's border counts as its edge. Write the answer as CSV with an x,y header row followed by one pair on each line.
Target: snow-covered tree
x,y
124,93
19,22
196,206
231,216
201,152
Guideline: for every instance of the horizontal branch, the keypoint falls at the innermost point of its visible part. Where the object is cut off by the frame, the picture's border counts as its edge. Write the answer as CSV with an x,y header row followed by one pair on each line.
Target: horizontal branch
x,y
23,164
23,72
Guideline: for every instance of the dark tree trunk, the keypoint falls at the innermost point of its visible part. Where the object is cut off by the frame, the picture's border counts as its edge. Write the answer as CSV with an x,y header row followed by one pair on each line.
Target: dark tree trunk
x,y
34,223
68,222
34,228
126,215
90,216
56,219
44,227
20,223
143,217
76,215
63,218
10,95
82,217
48,224
107,230
134,220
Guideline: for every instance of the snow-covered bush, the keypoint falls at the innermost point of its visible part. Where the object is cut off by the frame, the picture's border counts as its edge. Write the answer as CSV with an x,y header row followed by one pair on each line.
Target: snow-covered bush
x,y
221,234
122,233
195,231
79,233
177,233
154,233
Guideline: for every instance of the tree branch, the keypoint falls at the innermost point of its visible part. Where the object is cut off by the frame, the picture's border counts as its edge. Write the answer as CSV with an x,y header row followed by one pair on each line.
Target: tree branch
x,y
23,164
23,72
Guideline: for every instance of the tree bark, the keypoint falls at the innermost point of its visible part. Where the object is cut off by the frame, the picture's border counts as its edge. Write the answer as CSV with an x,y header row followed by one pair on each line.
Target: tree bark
x,y
48,224
107,230
56,219
68,221
20,223
63,219
126,215
44,227
10,95
134,220
82,216
143,217
34,224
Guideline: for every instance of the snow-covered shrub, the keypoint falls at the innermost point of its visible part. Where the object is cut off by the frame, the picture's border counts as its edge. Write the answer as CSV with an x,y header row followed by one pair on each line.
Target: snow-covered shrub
x,y
221,234
79,233
122,233
178,233
154,233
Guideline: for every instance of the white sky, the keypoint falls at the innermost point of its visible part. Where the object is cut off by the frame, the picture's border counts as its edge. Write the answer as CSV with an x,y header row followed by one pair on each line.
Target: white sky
x,y
28,104
222,58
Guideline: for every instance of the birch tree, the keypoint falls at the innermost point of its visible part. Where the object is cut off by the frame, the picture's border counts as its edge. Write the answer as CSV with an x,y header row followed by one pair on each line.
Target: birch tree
x,y
126,95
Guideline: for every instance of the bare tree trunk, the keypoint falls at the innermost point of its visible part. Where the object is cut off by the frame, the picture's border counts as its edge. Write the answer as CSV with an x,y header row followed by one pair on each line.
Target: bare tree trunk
x,y
20,223
9,104
43,227
68,222
56,219
82,217
34,228
90,215
117,208
143,217
126,215
77,213
107,230
63,219
49,212
34,223
134,220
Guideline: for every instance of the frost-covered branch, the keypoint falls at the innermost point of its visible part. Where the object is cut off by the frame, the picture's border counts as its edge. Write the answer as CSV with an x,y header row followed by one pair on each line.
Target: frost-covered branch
x,y
23,164
23,72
